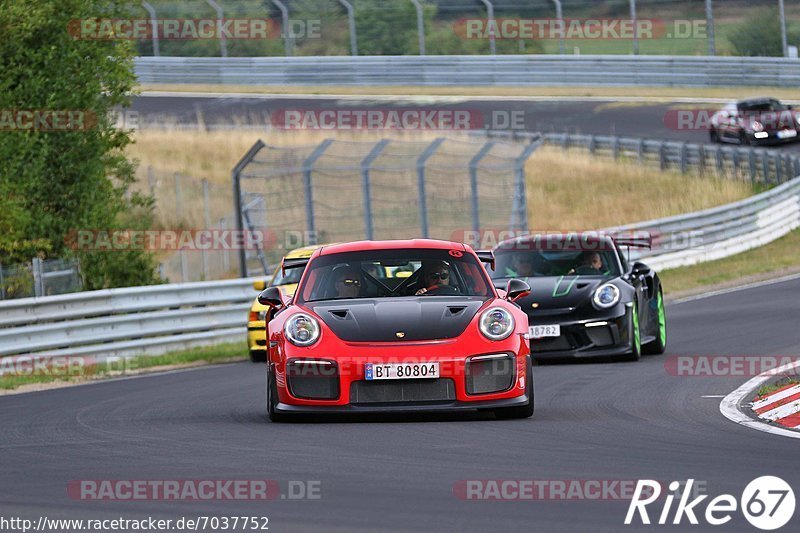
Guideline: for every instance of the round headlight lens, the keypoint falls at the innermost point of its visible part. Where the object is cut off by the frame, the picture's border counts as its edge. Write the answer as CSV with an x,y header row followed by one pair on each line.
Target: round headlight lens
x,y
302,330
496,323
606,296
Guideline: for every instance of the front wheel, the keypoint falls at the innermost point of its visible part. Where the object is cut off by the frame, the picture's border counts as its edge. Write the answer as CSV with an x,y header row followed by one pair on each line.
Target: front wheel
x,y
659,345
272,398
520,411
636,339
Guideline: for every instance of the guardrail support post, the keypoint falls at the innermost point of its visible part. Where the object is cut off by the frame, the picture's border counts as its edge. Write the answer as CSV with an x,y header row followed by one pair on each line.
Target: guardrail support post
x,y
592,144
365,186
153,26
615,147
420,26
288,36
207,222
778,169
560,18
519,213
720,162
640,150
36,270
701,159
179,214
423,199
473,183
662,155
236,176
635,28
223,43
751,157
490,21
351,21
712,49
308,168
684,158
765,166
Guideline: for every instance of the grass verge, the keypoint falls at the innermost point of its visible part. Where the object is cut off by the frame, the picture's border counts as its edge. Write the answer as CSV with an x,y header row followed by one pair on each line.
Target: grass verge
x,y
79,373
769,388
771,260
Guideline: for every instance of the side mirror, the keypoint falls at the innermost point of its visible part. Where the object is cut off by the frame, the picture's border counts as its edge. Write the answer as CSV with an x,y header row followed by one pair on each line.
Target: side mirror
x,y
260,285
640,269
517,289
271,296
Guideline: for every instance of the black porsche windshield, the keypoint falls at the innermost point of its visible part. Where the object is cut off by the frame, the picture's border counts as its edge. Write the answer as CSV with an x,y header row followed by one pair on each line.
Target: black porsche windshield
x,y
394,273
540,263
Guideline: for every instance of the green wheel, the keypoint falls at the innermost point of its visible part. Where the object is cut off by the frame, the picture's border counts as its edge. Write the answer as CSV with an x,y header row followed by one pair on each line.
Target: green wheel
x,y
659,345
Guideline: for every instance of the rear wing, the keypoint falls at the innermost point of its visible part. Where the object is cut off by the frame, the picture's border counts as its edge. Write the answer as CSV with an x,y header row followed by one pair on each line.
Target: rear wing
x,y
634,240
486,256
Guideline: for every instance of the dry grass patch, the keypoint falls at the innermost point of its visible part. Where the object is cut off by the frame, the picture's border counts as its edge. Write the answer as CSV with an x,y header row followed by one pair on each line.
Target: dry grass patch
x,y
566,190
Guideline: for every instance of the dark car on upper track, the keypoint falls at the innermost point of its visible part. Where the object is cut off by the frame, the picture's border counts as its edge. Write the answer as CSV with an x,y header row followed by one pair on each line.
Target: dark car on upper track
x,y
586,298
755,121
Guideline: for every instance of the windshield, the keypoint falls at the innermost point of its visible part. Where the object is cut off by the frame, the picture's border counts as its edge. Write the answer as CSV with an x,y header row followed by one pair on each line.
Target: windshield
x,y
394,273
763,106
540,263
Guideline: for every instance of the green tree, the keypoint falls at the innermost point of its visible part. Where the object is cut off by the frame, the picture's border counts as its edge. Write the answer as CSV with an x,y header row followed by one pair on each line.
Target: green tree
x,y
62,180
760,35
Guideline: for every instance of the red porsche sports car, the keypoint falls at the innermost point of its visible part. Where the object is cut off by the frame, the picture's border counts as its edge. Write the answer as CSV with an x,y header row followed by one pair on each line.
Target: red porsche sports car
x,y
412,325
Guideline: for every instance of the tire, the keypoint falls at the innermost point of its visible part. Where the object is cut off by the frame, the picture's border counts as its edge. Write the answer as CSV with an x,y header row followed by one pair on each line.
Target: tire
x,y
744,140
658,346
636,346
272,398
258,356
520,411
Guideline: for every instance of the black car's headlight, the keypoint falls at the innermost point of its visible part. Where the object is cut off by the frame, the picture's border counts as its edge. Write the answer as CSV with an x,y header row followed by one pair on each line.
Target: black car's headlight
x,y
496,323
756,126
606,295
302,329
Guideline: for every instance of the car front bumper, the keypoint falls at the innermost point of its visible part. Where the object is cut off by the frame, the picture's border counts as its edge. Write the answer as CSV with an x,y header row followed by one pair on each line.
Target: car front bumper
x,y
596,337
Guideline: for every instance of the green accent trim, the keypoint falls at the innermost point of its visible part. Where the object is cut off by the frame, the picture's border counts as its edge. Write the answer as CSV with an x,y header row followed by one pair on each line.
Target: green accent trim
x,y
556,294
662,319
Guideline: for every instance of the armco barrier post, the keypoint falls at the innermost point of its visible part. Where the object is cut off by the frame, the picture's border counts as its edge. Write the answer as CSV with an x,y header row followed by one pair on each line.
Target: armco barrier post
x,y
519,213
473,184
365,186
36,270
423,199
751,158
308,168
207,222
288,37
236,175
765,166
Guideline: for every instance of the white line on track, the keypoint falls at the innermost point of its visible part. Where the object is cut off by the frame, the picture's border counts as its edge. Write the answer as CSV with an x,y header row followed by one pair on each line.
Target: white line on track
x,y
736,289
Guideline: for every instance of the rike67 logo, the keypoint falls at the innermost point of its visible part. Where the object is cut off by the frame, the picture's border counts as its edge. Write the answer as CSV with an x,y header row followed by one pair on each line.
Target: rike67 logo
x,y
767,503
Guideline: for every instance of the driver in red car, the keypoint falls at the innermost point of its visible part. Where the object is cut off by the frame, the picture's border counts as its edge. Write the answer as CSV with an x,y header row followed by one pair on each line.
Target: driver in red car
x,y
434,274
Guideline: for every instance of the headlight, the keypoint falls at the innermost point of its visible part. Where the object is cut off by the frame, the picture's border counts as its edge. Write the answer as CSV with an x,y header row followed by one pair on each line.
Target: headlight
x,y
757,126
606,296
302,330
496,323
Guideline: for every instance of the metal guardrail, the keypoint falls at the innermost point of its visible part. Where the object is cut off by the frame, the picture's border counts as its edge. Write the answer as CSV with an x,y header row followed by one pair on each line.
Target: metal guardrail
x,y
515,70
126,322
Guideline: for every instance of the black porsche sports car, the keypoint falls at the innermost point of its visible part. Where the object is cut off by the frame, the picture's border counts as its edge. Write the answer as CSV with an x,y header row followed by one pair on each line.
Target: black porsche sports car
x,y
586,299
755,121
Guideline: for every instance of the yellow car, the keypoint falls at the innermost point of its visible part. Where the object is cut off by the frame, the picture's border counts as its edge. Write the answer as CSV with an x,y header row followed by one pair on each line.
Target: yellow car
x,y
257,320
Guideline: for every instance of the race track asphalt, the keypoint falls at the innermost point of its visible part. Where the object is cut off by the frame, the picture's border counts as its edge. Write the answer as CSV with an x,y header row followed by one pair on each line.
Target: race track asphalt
x,y
647,120
609,421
